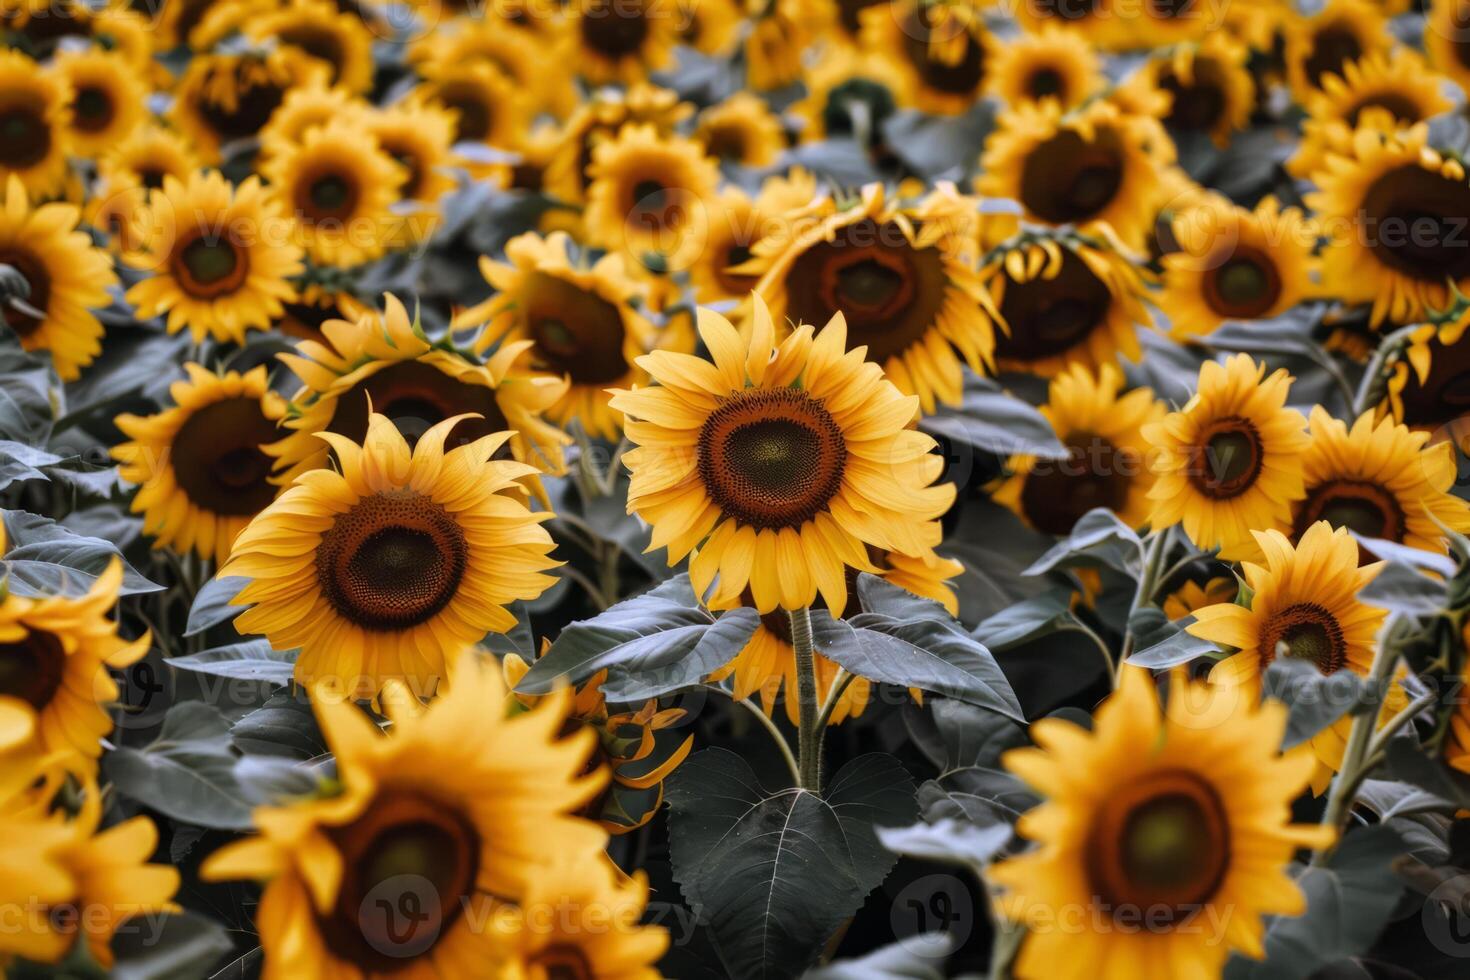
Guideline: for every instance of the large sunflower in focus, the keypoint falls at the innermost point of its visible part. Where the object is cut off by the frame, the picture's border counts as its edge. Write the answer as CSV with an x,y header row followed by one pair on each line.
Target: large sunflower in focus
x,y
1182,818
1094,164
1380,480
779,462
1395,213
647,196
903,277
384,568
199,466
453,812
67,277
1052,64
386,361
1230,460
1233,264
1063,299
216,258
941,51
580,323
35,120
1106,465
108,99
1303,605
621,40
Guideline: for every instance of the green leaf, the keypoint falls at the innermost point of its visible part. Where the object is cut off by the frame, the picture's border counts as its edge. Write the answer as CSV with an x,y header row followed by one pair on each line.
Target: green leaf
x,y
1098,537
883,598
955,735
1035,617
662,672
1414,766
181,946
996,421
272,781
996,548
20,461
1176,647
26,386
948,841
284,726
46,558
1404,589
1315,700
212,603
247,660
773,876
188,772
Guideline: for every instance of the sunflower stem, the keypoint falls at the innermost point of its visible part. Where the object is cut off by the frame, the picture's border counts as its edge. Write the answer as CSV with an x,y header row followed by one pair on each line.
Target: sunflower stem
x,y
809,736
1370,388
1154,550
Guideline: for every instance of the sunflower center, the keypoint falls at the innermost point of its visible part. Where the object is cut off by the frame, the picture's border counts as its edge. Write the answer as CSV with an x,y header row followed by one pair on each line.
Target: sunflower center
x,y
331,194
1229,459
25,139
253,109
1044,82
650,197
1196,107
1414,222
1049,316
963,75
38,277
416,396
890,292
413,170
771,458
1162,845
564,962
726,143
1332,48
152,177
473,118
1403,109
31,669
1366,508
320,44
1444,395
92,109
1095,474
1305,631
217,461
1245,286
208,267
614,28
1067,179
577,332
408,868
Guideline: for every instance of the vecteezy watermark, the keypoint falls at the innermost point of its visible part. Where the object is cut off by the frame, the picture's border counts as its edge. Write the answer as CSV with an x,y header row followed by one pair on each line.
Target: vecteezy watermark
x,y
1446,916
933,903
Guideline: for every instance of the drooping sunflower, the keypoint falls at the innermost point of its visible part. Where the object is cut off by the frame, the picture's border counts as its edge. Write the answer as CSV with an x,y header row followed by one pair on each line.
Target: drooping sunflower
x,y
1107,463
108,98
1063,299
1394,214
338,39
199,466
1447,39
1303,605
647,196
1230,460
599,120
1381,480
339,186
148,155
581,919
55,652
454,811
1429,386
385,359
621,40
780,462
67,275
742,129
628,746
1180,815
217,256
903,276
35,124
1094,164
1231,264
384,568
542,69
1050,64
580,323
223,98
1322,45
710,26
941,51
1210,87
1383,92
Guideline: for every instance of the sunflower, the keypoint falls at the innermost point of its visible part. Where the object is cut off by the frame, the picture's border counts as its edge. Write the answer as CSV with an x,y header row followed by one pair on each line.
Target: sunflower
x,y
845,92
418,136
736,224
1093,19
451,812
117,207
398,559
1232,264
741,129
1429,385
540,69
307,107
1380,480
178,20
1230,460
148,155
941,51
1303,605
1051,64
1063,299
32,842
223,98
340,187
711,27
1190,596
68,277
1394,213
581,919
215,256
1320,46
779,462
580,323
107,98
779,32
199,467
1447,39
627,745
599,120
621,40
1179,815
35,124
647,196
1095,164
55,652
316,307
1209,86
488,107
903,276
320,29
767,663
1383,92
1106,464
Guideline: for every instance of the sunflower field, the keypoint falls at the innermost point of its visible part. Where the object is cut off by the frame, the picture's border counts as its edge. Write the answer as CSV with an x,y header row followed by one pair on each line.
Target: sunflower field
x,y
825,489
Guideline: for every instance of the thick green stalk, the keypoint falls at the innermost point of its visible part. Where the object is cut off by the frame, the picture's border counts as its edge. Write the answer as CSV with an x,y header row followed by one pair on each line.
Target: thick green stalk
x,y
809,734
